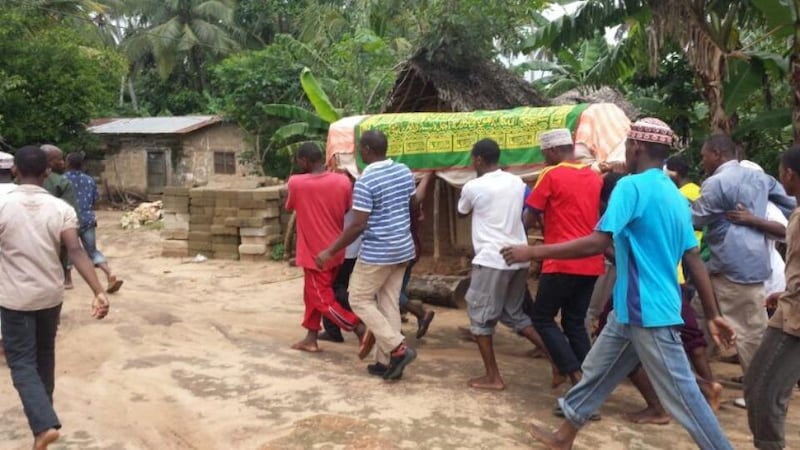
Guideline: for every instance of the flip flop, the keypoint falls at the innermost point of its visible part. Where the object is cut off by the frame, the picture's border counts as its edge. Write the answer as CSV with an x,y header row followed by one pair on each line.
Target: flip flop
x,y
114,285
425,323
366,345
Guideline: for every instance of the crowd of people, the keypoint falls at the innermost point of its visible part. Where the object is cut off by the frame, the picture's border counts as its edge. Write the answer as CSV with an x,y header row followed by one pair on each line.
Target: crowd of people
x,y
693,268
47,227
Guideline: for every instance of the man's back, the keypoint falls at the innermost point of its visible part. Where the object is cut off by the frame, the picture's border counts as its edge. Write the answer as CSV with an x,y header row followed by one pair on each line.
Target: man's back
x,y
739,252
60,187
569,196
384,191
31,223
652,229
86,195
321,201
493,199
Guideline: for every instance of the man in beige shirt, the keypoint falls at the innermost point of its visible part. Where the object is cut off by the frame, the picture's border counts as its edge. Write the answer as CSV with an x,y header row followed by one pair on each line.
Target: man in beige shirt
x,y
770,380
33,226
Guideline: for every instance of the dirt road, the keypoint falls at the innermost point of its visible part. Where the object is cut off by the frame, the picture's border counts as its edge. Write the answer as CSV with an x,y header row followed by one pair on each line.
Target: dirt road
x,y
196,356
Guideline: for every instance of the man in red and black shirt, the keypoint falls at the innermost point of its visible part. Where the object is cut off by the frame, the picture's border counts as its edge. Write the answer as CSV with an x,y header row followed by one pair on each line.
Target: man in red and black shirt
x,y
566,202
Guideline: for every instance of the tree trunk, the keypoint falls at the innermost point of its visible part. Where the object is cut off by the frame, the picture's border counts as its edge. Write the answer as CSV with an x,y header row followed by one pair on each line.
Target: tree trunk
x,y
794,64
439,290
718,119
132,92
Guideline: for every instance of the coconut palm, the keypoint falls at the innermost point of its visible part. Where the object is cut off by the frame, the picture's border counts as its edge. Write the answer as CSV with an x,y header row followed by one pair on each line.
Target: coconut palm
x,y
177,32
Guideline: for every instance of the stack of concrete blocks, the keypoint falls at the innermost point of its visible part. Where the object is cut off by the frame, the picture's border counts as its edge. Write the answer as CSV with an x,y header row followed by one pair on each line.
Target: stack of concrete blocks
x,y
175,235
259,222
201,215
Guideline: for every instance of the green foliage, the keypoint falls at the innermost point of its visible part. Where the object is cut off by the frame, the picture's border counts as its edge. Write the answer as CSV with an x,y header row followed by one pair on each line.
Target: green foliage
x,y
52,85
277,252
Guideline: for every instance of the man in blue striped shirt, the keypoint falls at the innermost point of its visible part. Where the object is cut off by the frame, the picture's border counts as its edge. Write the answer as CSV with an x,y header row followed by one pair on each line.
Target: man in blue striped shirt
x,y
382,197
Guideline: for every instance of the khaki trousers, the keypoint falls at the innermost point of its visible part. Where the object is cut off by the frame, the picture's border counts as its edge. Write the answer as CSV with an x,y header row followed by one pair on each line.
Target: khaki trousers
x,y
375,298
742,305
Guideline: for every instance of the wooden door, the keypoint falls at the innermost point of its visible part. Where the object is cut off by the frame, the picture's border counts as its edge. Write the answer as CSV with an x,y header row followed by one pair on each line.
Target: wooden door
x,y
156,171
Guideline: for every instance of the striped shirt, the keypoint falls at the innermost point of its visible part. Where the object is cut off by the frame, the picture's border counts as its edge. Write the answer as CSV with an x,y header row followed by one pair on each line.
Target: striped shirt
x,y
384,191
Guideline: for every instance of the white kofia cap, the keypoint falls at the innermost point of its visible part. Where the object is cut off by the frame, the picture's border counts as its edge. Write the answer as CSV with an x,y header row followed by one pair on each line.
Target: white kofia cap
x,y
555,138
6,160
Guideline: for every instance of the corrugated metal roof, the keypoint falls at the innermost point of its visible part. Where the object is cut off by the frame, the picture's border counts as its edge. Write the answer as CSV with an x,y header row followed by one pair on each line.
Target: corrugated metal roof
x,y
155,125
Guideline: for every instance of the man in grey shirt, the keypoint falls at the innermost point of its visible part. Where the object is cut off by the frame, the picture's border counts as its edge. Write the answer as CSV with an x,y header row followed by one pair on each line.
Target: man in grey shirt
x,y
740,259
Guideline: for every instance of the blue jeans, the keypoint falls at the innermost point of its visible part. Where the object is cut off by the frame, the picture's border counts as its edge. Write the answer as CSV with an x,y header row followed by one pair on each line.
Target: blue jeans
x,y
88,235
404,288
618,350
30,343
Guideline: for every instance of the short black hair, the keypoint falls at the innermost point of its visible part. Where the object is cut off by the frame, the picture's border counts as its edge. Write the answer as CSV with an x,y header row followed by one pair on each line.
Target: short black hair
x,y
309,151
487,150
791,159
75,161
678,165
609,183
376,141
657,151
722,143
31,161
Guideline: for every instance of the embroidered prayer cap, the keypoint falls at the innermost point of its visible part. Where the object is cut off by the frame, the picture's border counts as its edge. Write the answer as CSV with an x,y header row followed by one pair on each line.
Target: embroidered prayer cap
x,y
555,138
6,161
651,130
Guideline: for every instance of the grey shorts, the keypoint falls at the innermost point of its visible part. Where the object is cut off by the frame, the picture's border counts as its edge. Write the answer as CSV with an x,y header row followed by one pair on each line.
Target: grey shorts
x,y
496,295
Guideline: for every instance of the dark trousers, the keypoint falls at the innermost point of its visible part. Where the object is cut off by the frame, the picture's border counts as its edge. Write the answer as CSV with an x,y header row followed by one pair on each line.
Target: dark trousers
x,y
571,295
768,386
340,285
30,343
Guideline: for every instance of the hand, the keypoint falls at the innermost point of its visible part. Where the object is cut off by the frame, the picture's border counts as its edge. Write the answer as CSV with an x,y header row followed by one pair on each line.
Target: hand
x,y
322,259
100,306
518,254
614,166
721,332
740,215
771,303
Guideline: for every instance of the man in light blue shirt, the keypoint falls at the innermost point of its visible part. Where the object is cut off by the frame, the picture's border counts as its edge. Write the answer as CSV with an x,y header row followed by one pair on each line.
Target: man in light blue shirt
x,y
651,229
740,255
382,197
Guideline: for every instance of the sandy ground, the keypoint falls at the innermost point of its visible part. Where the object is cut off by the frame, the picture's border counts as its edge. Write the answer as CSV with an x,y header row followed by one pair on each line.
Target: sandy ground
x,y
196,356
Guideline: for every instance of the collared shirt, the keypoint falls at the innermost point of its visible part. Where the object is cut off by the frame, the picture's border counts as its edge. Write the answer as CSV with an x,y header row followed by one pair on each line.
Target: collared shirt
x,y
31,223
787,316
493,200
60,187
738,252
568,195
320,201
384,190
86,195
652,229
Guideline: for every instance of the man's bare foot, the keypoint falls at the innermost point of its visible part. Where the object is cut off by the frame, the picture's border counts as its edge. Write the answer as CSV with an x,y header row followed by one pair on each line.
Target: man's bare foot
x,y
648,416
68,286
306,346
550,440
45,438
713,394
558,379
489,384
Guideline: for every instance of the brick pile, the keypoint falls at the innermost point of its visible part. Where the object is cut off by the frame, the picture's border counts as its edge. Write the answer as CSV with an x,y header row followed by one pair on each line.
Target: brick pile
x,y
223,223
175,234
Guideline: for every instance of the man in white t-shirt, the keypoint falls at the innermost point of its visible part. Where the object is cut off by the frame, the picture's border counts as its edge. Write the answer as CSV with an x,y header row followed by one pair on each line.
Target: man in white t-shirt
x,y
33,227
6,185
496,289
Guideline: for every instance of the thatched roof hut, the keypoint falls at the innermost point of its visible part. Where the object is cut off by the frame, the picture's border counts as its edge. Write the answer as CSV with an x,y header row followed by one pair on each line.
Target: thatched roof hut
x,y
604,94
426,84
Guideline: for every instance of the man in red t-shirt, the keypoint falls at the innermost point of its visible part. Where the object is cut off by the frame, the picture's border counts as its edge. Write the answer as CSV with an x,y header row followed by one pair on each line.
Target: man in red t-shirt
x,y
567,198
320,200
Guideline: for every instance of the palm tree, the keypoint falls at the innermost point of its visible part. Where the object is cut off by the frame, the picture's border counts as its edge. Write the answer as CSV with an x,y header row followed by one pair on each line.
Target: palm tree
x,y
176,32
706,30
